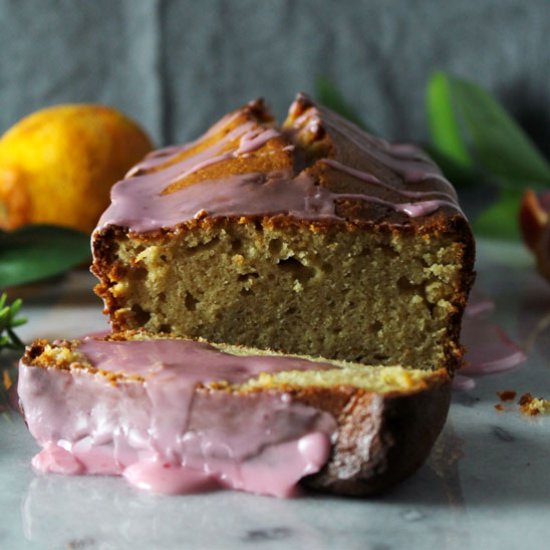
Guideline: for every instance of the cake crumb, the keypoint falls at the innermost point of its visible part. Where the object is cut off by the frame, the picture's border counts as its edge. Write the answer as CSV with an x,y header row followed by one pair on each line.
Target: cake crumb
x,y
506,395
533,406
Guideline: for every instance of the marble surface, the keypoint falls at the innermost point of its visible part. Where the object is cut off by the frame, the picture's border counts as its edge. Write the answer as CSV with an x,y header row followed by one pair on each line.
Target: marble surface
x,y
486,484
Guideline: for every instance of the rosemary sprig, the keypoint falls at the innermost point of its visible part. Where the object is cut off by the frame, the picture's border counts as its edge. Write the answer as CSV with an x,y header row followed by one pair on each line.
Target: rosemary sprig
x,y
9,341
8,322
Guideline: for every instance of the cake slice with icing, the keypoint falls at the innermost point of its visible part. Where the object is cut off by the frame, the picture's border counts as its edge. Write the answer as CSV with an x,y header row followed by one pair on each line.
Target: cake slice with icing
x,y
312,238
178,416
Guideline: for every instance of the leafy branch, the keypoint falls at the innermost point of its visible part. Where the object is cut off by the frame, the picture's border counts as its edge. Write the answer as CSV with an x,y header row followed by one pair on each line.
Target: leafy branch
x,y
29,254
8,322
35,252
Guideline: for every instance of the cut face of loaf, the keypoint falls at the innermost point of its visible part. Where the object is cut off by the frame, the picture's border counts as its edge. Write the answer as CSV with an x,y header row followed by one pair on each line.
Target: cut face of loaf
x,y
314,239
174,415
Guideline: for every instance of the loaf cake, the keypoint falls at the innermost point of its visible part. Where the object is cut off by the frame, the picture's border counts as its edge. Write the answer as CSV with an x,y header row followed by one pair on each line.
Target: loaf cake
x,y
286,305
313,238
176,415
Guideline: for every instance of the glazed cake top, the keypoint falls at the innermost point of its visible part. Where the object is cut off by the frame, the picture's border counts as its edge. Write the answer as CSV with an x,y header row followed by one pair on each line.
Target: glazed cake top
x,y
317,166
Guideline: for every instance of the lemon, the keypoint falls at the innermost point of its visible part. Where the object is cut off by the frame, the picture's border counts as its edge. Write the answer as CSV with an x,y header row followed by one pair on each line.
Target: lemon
x,y
58,164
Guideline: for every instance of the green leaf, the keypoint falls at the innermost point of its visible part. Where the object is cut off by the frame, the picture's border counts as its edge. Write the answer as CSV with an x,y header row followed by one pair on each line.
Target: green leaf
x,y
35,252
330,97
444,125
498,141
16,307
8,322
501,219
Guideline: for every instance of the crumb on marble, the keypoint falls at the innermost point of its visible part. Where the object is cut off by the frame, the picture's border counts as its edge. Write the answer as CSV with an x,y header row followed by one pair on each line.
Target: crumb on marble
x,y
506,395
533,406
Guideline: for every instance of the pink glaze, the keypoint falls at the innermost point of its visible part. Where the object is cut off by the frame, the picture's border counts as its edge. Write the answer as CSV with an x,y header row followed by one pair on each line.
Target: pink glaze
x,y
170,479
478,305
251,137
255,139
134,206
249,141
157,158
165,435
270,474
203,164
489,350
369,178
140,203
54,458
411,163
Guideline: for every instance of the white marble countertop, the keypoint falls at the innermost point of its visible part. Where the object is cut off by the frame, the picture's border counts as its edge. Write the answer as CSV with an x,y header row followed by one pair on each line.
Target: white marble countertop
x,y
486,484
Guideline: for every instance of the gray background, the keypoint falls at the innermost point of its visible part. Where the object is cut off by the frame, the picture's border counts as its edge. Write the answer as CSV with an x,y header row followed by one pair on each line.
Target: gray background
x,y
176,65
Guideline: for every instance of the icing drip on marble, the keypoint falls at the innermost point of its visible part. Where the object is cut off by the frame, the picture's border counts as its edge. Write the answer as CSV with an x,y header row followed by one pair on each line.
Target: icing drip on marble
x,y
489,349
162,433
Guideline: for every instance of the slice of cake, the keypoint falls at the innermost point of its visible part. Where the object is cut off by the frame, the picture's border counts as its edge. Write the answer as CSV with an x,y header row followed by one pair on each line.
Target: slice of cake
x,y
312,238
176,415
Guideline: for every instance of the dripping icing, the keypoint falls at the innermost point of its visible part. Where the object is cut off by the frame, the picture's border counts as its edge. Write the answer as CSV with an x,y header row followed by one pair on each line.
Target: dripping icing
x,y
145,202
161,433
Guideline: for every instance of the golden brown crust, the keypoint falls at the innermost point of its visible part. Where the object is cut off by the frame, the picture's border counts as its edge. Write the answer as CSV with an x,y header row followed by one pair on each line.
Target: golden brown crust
x,y
327,142
36,355
272,155
320,134
382,439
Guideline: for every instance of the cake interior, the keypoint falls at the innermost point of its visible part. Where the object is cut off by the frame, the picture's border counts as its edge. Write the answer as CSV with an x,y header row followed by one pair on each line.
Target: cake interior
x,y
313,372
303,289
